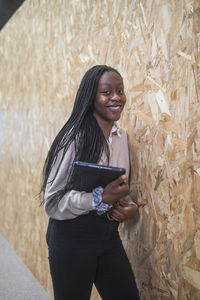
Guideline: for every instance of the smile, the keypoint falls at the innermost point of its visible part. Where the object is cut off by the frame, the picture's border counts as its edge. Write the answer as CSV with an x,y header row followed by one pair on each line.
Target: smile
x,y
114,107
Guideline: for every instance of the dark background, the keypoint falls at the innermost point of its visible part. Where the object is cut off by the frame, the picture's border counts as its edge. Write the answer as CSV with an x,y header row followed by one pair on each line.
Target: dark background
x,y
7,9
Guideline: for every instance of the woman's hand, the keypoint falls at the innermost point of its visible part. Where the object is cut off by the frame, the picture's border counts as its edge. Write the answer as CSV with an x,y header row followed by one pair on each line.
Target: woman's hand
x,y
116,190
123,211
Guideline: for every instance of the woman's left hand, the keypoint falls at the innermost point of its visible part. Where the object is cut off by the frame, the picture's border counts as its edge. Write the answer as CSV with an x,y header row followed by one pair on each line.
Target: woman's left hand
x,y
123,211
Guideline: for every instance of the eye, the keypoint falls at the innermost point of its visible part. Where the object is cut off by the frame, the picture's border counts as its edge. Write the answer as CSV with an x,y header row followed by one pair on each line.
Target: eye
x,y
120,92
105,92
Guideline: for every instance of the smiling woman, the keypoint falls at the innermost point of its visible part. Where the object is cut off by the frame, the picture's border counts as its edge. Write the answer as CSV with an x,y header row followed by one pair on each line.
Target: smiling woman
x,y
82,236
110,100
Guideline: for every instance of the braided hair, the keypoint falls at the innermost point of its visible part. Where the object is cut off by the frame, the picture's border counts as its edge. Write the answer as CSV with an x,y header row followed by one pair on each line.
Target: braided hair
x,y
82,129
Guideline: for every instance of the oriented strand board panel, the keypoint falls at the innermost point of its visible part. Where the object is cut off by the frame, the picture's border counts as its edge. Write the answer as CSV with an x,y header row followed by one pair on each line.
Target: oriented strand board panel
x,y
45,49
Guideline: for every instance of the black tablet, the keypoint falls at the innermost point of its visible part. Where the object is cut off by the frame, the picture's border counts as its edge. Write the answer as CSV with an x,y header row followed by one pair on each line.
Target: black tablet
x,y
90,176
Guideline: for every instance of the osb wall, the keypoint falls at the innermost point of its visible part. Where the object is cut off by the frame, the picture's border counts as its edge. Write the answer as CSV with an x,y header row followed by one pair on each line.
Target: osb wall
x,y
44,51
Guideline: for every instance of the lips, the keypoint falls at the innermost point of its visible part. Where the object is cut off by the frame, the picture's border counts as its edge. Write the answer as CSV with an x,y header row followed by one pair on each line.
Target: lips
x,y
114,108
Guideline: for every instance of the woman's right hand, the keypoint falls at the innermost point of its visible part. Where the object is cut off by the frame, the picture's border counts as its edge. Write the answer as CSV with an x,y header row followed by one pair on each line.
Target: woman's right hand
x,y
116,190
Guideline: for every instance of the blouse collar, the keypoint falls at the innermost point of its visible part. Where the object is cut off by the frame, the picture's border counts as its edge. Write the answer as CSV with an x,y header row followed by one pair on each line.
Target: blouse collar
x,y
114,130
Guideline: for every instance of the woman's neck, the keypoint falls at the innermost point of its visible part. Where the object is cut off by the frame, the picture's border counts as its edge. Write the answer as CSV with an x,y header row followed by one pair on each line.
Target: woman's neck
x,y
105,127
106,132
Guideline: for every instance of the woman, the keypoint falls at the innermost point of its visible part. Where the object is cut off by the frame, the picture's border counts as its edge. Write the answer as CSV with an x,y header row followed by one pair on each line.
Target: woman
x,y
82,236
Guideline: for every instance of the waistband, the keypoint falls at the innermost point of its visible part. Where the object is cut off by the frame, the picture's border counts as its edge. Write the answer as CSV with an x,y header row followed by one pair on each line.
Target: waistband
x,y
104,215
94,213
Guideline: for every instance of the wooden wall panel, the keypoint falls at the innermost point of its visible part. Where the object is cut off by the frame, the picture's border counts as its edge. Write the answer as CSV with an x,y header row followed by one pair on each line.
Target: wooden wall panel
x,y
45,49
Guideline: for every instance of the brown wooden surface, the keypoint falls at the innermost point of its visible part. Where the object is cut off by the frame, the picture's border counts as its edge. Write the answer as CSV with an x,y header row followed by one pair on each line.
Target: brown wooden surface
x,y
45,49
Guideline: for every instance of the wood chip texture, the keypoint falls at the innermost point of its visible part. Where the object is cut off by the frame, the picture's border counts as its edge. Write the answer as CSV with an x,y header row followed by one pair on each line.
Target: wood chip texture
x,y
45,49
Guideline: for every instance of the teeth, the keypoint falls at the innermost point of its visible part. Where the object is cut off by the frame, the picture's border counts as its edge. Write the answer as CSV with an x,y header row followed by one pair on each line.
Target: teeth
x,y
115,108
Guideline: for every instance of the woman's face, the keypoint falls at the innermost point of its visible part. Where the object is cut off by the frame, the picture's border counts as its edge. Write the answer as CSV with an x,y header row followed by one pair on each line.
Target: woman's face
x,y
110,98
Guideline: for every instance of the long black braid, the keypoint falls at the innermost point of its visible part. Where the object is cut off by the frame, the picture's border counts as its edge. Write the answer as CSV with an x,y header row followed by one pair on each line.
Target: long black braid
x,y
82,129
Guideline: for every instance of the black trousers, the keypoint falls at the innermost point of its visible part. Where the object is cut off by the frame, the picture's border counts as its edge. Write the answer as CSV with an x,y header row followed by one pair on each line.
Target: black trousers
x,y
88,250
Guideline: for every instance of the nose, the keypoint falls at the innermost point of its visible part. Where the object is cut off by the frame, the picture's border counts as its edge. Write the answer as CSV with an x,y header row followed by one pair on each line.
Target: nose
x,y
115,96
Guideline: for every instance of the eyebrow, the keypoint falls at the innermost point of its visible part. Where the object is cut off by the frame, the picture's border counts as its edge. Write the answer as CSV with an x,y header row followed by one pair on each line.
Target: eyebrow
x,y
110,84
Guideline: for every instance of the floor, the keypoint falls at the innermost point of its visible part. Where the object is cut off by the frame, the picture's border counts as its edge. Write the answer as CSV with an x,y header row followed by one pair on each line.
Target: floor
x,y
16,280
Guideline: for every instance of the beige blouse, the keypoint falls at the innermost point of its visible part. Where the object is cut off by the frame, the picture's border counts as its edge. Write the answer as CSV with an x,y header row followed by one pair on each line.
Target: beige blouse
x,y
75,203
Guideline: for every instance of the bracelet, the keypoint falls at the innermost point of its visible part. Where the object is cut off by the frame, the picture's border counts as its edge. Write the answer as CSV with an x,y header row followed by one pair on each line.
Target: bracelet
x,y
109,217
